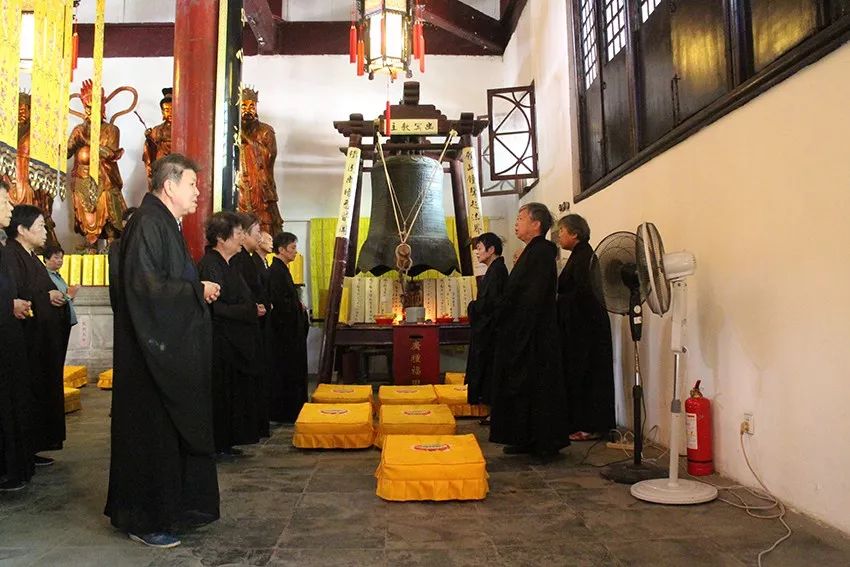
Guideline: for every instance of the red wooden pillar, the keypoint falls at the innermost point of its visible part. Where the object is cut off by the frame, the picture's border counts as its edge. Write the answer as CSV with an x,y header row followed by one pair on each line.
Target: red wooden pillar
x,y
192,132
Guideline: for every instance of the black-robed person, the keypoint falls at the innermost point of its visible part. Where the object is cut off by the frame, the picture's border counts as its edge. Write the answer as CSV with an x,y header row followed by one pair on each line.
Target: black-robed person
x,y
112,255
162,475
289,325
16,453
586,337
529,396
237,361
251,264
44,331
482,319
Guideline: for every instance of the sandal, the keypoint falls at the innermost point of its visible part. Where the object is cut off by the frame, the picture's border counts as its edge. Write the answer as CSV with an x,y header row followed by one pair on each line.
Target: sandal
x,y
584,436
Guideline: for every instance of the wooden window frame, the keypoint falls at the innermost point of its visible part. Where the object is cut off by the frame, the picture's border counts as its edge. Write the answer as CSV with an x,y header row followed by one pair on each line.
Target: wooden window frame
x,y
830,34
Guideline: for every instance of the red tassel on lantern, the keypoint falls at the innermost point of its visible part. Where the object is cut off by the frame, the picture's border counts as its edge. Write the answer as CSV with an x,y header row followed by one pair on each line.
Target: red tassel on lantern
x,y
416,47
352,44
360,57
75,48
422,54
387,120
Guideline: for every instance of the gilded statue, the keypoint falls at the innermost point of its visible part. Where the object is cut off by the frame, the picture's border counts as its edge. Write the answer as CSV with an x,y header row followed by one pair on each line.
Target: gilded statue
x,y
158,138
22,192
258,150
97,207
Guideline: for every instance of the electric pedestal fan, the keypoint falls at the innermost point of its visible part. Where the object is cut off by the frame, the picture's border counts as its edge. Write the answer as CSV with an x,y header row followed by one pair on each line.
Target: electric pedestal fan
x,y
618,286
658,271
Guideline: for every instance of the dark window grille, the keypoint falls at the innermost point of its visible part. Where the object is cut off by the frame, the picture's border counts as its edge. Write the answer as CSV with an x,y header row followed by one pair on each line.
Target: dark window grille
x,y
647,7
588,41
615,27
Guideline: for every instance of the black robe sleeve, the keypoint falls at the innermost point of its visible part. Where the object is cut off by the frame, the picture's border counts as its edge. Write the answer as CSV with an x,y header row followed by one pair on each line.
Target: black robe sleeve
x,y
165,304
212,268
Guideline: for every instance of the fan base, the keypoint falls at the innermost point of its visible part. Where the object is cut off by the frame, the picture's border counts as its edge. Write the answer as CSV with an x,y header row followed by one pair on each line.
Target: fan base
x,y
663,491
630,473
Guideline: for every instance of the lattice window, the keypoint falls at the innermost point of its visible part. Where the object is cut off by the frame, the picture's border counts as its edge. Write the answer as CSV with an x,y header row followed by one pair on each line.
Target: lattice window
x,y
615,26
647,7
588,41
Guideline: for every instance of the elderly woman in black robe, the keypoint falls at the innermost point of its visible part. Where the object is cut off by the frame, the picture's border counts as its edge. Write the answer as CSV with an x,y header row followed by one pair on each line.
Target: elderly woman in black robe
x,y
585,337
16,456
529,396
252,266
289,325
482,319
237,358
44,331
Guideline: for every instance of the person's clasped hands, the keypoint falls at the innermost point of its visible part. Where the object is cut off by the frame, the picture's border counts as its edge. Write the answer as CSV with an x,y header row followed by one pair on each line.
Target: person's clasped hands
x,y
211,291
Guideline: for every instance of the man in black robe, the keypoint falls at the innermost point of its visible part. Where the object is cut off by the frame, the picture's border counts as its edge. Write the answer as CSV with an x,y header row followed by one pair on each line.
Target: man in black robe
x,y
289,325
529,397
162,474
16,453
585,337
44,331
251,263
482,312
112,255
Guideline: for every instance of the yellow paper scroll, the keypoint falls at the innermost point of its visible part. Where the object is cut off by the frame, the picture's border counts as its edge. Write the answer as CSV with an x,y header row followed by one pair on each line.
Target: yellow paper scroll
x,y
346,200
473,197
10,31
97,92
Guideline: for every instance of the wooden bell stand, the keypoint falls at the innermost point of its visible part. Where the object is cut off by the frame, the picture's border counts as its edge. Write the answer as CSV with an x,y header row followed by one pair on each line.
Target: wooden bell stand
x,y
411,124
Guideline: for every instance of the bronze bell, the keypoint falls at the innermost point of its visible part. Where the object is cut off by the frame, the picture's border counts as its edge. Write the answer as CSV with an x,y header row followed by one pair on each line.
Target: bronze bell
x,y
430,247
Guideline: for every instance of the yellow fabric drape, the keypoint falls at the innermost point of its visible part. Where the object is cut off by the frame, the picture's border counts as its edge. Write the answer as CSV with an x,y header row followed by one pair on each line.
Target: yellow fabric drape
x,y
50,80
10,58
322,238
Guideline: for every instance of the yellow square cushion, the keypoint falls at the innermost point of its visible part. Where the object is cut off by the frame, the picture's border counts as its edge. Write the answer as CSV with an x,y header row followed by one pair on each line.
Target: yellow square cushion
x,y
341,394
334,426
433,419
455,397
104,380
75,376
431,467
407,395
455,377
72,400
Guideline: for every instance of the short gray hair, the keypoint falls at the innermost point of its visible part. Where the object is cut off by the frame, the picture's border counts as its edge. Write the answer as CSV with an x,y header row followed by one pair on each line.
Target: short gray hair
x,y
576,224
539,212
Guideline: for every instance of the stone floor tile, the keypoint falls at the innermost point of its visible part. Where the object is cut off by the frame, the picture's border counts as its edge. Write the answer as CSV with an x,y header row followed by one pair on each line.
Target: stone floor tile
x,y
523,502
696,552
321,482
414,533
532,530
288,557
483,556
554,554
319,533
340,506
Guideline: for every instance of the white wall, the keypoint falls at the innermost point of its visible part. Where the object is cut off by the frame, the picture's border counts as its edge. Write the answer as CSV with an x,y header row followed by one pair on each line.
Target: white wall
x,y
761,197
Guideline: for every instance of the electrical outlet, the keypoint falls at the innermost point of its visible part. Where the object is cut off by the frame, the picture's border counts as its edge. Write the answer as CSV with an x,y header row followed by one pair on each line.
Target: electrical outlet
x,y
749,424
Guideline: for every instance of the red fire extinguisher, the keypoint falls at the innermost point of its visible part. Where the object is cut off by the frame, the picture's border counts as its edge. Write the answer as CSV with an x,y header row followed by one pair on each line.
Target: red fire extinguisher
x,y
698,411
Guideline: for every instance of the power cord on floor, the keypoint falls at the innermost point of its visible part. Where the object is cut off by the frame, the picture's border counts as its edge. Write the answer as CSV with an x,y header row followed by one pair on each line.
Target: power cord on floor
x,y
756,511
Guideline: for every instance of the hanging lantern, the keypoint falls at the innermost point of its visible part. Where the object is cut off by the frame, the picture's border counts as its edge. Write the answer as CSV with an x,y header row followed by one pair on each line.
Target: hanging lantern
x,y
390,32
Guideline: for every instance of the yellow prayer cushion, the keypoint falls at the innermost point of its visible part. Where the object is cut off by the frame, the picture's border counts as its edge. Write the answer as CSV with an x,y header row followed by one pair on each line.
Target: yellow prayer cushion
x,y
407,395
455,377
455,397
72,400
76,376
342,394
431,467
334,426
433,419
104,380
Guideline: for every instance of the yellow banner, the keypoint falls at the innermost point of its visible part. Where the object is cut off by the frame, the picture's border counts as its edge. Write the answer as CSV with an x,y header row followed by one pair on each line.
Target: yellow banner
x,y
97,91
49,95
10,25
473,196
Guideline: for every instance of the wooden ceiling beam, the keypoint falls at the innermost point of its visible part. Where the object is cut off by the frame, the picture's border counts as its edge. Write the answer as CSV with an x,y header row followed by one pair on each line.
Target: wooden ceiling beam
x,y
262,22
467,23
293,38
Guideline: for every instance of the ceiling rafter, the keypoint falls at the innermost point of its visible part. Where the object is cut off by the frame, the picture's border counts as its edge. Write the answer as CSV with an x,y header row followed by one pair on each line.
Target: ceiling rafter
x,y
262,22
465,22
